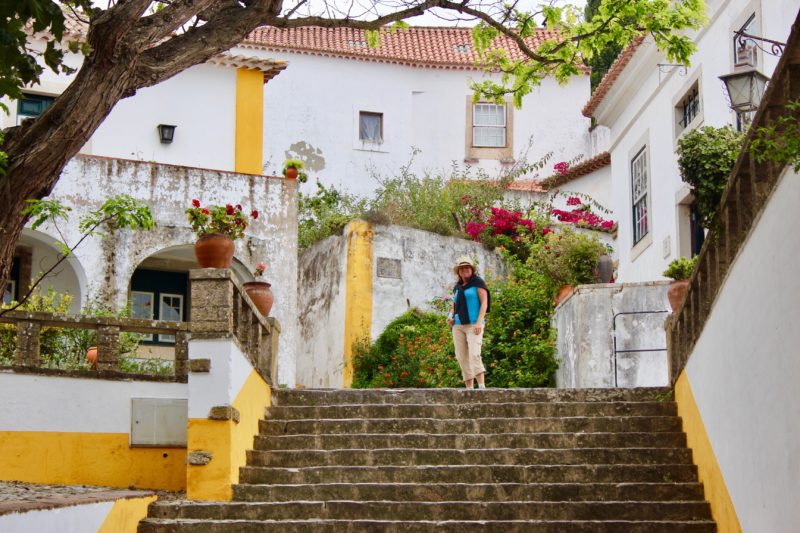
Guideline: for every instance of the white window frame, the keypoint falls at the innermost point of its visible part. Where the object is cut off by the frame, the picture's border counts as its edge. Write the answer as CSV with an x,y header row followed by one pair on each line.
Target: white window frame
x,y
476,126
145,336
640,192
161,296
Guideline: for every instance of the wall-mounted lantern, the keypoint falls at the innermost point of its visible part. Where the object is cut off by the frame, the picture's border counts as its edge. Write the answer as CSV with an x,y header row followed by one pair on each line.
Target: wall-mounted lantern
x,y
166,133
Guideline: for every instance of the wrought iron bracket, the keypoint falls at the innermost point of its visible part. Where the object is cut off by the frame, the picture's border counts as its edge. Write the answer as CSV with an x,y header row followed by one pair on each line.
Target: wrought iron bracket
x,y
776,48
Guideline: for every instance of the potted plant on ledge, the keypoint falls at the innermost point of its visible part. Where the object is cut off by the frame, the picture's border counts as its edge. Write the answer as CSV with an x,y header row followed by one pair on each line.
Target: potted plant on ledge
x,y
293,170
259,291
680,270
216,227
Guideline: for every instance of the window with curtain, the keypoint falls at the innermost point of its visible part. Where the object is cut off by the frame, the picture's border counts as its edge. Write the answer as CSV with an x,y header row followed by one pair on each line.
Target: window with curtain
x,y
639,187
370,127
489,125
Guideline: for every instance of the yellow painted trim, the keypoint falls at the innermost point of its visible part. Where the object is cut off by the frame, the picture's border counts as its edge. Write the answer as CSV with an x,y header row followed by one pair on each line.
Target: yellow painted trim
x,y
89,459
249,121
125,515
228,443
358,293
708,470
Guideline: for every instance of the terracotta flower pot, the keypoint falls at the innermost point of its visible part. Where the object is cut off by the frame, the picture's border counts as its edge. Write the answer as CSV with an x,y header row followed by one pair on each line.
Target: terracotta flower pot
x,y
214,250
564,293
261,294
290,174
91,357
677,292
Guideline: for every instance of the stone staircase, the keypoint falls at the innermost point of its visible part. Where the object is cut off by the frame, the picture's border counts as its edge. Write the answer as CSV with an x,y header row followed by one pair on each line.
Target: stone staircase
x,y
452,460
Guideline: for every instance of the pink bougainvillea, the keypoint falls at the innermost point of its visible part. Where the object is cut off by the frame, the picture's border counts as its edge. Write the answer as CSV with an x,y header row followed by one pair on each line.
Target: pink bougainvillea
x,y
562,167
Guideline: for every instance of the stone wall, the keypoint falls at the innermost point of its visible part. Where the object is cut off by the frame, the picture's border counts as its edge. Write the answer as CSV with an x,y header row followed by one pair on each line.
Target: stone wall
x,y
107,264
586,322
409,268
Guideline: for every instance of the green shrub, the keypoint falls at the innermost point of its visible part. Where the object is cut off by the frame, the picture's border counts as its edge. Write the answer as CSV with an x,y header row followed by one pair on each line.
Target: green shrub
x,y
415,350
326,213
681,268
705,159
566,257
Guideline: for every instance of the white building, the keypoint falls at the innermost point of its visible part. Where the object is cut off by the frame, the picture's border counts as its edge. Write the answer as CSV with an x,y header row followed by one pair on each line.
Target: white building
x,y
352,112
648,104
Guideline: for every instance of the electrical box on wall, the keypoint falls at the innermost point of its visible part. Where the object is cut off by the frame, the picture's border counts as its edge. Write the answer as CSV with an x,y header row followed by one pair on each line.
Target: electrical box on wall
x,y
159,421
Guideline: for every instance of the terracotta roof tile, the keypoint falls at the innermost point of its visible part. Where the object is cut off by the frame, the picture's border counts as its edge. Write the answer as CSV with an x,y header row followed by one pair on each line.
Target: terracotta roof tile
x,y
599,161
417,46
611,76
526,185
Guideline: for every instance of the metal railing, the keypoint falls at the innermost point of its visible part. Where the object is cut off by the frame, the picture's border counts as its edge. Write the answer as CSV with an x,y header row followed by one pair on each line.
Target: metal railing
x,y
614,336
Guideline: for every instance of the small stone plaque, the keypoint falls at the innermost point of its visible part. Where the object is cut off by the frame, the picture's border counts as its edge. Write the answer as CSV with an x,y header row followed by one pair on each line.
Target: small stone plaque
x,y
389,268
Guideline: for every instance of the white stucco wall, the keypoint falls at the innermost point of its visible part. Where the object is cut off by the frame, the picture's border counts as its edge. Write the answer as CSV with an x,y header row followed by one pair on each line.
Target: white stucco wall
x,y
426,261
109,263
322,273
201,102
641,111
93,405
316,102
744,370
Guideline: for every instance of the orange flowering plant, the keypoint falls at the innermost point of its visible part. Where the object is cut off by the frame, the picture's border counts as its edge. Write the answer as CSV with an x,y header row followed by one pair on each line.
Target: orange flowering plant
x,y
226,219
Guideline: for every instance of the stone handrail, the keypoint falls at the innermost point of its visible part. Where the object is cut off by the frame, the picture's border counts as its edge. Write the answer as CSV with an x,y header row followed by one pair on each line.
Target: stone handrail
x,y
744,199
222,309
30,324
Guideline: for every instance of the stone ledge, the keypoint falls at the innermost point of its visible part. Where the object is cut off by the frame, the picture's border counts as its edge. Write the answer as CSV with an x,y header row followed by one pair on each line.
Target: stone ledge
x,y
199,457
224,412
199,365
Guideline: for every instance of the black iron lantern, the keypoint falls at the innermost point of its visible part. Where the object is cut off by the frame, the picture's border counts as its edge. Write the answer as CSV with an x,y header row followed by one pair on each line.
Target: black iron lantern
x,y
166,133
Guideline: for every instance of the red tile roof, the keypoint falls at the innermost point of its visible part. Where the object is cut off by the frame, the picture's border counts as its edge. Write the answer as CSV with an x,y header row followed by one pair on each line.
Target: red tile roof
x,y
611,76
417,46
526,185
599,161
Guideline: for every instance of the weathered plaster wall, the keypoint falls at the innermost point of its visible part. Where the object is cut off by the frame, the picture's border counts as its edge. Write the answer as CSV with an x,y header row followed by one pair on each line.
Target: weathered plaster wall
x,y
321,284
641,110
311,110
409,269
109,263
426,270
585,336
744,370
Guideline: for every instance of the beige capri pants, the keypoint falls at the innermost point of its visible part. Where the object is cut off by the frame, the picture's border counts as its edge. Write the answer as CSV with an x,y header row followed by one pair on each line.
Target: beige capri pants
x,y
468,350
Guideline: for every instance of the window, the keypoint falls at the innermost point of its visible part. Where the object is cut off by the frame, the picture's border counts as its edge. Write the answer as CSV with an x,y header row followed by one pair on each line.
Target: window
x,y
32,105
170,308
370,127
639,186
489,126
690,107
159,295
142,307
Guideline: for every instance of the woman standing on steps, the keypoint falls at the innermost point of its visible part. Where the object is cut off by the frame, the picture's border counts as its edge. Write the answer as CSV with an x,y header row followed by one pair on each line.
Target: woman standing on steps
x,y
471,302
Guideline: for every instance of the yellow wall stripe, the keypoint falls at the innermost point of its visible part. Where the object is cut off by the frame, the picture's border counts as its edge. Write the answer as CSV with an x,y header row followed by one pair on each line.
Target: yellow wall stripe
x,y
358,295
228,443
249,121
708,469
89,459
125,515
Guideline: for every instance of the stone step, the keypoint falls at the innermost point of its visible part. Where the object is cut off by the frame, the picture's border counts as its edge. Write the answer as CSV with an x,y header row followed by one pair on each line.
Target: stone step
x,y
493,456
467,441
157,525
461,396
473,410
577,424
434,492
421,510
662,473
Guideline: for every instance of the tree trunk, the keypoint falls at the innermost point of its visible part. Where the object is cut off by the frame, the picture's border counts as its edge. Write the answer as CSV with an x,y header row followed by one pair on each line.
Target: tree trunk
x,y
40,150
